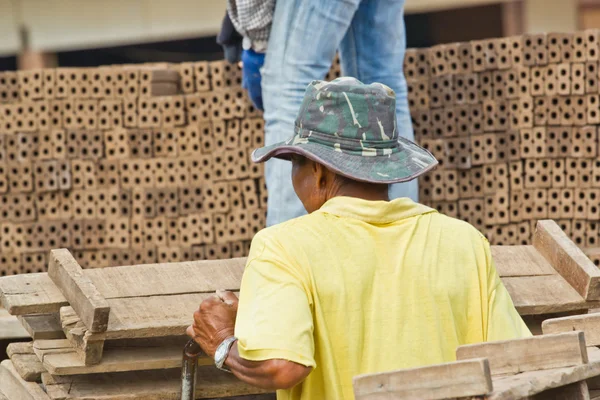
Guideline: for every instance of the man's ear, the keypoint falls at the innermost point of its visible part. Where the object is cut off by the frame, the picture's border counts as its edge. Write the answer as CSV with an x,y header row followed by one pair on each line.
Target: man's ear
x,y
320,174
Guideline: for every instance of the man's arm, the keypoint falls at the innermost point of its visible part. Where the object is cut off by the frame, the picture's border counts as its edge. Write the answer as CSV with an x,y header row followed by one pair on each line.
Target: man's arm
x,y
269,374
214,322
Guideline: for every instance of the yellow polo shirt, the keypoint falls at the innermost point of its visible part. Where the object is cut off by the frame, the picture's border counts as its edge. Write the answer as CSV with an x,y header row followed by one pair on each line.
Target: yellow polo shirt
x,y
368,286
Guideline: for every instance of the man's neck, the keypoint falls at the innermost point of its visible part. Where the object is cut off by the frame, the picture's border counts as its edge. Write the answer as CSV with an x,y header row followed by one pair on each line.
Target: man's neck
x,y
365,191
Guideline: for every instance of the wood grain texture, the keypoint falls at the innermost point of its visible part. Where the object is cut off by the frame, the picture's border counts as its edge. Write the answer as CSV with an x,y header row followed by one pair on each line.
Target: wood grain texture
x,y
58,358
28,366
30,294
87,345
78,289
152,316
529,384
544,294
520,261
436,382
10,327
573,391
567,259
42,326
14,387
529,354
19,348
37,293
168,278
588,323
147,385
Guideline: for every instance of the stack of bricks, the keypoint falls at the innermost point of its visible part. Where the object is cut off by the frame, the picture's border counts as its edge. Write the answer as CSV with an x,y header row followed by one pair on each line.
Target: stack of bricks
x,y
513,123
127,165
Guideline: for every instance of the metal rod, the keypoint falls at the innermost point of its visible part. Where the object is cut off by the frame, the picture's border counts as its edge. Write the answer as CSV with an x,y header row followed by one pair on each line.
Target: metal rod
x,y
191,352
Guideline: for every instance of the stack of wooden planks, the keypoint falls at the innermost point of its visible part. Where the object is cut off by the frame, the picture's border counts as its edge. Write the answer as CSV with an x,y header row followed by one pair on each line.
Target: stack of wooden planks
x,y
107,332
119,331
557,366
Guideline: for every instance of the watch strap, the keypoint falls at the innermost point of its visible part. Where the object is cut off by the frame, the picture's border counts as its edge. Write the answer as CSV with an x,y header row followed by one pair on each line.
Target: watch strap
x,y
222,352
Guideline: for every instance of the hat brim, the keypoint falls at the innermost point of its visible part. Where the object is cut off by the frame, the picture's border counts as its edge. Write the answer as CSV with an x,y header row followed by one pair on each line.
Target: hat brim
x,y
403,165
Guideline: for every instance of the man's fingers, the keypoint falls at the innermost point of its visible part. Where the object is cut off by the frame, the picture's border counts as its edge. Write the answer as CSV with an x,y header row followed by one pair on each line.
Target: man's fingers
x,y
228,297
190,331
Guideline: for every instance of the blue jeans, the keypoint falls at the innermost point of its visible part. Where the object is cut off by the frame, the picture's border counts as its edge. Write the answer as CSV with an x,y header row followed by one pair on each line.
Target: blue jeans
x,y
305,36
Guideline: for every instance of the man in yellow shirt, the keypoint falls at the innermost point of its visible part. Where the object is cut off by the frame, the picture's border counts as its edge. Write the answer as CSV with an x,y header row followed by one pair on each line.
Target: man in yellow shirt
x,y
361,284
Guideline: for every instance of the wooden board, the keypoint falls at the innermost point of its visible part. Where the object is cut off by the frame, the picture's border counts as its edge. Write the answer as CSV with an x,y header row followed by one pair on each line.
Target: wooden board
x,y
530,383
24,360
28,366
568,259
14,387
36,293
86,344
30,294
588,323
529,354
573,391
152,316
42,326
58,358
10,327
436,382
520,261
79,290
147,385
19,348
168,278
544,294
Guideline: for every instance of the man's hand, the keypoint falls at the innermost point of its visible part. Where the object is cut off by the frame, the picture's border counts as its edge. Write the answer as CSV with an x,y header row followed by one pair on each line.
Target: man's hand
x,y
214,321
251,78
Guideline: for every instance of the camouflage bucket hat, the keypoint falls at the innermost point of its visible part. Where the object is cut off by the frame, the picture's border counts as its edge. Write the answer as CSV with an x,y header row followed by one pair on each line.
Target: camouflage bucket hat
x,y
350,128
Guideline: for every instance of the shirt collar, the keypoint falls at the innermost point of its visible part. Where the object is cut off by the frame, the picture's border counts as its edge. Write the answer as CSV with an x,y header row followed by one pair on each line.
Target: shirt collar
x,y
375,212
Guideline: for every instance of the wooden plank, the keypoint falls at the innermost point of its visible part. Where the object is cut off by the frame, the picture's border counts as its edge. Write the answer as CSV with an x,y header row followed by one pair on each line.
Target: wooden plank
x,y
567,259
529,354
522,386
30,294
14,387
37,293
28,366
19,348
58,358
520,261
435,382
544,294
10,328
79,290
573,391
152,316
24,360
86,344
149,385
168,278
534,322
588,323
42,326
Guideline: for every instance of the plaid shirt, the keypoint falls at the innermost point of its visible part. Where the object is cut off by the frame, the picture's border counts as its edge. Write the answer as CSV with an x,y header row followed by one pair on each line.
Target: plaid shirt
x,y
252,19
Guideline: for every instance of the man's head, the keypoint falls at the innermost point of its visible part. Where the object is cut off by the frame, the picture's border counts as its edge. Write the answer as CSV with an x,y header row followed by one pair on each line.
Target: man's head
x,y
348,129
315,184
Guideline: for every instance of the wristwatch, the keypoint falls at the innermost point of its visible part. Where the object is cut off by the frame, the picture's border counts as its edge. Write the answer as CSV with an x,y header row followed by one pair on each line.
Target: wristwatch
x,y
222,352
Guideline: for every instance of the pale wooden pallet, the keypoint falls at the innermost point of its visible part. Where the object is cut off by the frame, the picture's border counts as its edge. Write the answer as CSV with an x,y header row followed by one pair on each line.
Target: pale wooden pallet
x,y
540,367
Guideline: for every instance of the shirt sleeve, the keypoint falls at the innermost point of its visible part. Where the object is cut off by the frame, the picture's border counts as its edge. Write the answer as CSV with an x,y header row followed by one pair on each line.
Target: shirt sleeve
x,y
274,319
504,322
252,19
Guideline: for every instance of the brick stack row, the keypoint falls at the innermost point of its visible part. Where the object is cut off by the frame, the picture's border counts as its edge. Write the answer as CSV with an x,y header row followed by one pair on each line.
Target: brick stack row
x,y
127,165
514,124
